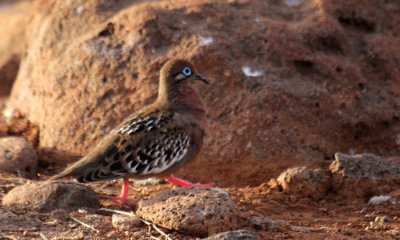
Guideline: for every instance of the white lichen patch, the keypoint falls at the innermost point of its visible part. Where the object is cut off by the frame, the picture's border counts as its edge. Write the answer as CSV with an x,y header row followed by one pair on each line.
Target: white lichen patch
x,y
8,112
292,3
206,41
249,72
79,10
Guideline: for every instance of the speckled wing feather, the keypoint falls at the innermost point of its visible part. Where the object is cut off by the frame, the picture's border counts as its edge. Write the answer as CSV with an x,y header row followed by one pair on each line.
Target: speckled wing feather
x,y
147,144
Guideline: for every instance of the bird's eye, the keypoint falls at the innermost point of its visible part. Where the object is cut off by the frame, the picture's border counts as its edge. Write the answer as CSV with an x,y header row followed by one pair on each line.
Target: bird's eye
x,y
187,71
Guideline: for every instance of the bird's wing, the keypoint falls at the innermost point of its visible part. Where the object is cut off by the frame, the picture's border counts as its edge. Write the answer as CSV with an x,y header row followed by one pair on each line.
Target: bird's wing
x,y
147,144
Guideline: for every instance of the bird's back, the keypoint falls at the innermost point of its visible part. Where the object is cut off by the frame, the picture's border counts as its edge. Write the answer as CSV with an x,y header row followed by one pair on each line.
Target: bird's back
x,y
152,143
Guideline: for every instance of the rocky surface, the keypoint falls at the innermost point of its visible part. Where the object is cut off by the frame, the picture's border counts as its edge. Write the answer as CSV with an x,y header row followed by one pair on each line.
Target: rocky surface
x,y
364,175
18,156
238,235
202,211
13,222
312,183
47,196
268,224
292,83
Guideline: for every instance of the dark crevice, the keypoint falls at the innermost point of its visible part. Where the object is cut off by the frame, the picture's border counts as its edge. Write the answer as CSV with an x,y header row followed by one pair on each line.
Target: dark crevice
x,y
358,23
303,66
108,31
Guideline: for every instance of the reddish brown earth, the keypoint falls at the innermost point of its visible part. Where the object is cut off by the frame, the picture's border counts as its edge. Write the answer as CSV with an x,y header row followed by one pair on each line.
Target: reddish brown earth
x,y
330,218
292,85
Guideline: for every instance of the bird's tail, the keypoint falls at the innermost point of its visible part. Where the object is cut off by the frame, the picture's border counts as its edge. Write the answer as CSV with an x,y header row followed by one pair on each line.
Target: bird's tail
x,y
74,170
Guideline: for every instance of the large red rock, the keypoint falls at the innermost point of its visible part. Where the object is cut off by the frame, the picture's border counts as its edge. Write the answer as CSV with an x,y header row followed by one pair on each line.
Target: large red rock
x,y
14,16
293,81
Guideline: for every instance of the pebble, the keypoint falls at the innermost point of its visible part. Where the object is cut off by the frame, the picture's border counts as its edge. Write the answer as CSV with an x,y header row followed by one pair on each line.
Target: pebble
x,y
125,222
382,219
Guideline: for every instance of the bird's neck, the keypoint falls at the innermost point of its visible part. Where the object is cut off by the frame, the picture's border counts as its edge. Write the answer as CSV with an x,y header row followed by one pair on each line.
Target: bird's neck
x,y
186,100
184,97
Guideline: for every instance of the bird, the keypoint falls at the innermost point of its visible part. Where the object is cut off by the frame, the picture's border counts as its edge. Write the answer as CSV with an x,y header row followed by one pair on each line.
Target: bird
x,y
154,141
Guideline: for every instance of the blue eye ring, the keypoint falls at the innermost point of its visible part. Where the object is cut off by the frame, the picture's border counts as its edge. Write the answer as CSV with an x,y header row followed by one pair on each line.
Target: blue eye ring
x,y
187,71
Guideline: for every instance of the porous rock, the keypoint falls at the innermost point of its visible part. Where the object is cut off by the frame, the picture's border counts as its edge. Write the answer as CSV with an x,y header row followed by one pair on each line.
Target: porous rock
x,y
364,175
18,156
47,196
201,211
237,235
304,181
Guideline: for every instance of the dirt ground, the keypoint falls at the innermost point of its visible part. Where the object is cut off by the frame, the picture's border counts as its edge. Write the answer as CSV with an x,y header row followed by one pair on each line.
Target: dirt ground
x,y
330,218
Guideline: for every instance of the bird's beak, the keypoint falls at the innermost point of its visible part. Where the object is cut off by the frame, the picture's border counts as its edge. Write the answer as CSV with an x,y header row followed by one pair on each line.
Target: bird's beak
x,y
201,78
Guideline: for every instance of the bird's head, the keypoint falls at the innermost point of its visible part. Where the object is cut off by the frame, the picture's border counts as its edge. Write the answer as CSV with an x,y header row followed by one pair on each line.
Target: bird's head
x,y
176,76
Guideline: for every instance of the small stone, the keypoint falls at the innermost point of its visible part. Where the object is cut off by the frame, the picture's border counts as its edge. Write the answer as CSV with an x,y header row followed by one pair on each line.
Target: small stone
x,y
347,233
145,182
381,200
201,211
83,211
47,196
382,219
364,210
125,222
324,210
303,181
18,156
238,234
268,224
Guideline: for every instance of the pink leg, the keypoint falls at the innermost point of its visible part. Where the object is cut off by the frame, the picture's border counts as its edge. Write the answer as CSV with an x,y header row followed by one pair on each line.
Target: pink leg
x,y
124,192
184,183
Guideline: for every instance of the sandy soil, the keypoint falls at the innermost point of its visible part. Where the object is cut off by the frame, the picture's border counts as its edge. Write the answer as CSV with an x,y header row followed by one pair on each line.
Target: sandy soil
x,y
330,218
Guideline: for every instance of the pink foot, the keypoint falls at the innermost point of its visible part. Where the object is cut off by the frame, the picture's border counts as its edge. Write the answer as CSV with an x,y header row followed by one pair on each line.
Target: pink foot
x,y
184,183
123,197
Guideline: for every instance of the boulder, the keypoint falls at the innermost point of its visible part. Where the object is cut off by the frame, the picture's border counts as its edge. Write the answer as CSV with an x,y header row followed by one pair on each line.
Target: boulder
x,y
364,175
48,196
200,211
